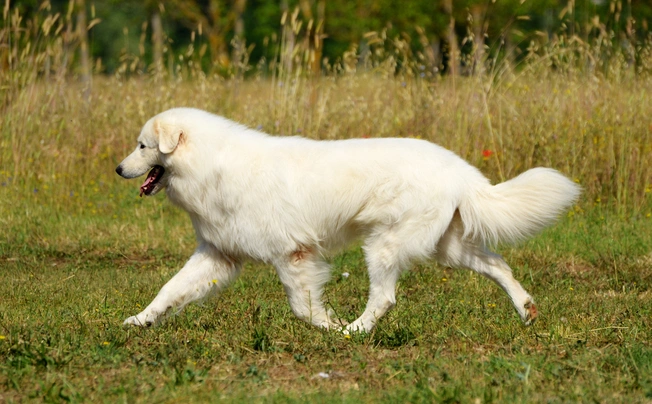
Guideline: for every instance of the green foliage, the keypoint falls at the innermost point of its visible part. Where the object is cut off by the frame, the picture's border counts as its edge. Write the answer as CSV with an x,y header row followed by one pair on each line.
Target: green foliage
x,y
507,28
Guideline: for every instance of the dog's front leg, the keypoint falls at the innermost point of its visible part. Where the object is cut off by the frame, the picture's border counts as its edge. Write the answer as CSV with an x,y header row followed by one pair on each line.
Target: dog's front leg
x,y
303,274
206,273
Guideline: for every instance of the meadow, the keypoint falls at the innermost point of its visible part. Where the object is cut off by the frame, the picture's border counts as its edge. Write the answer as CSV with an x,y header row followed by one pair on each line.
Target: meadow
x,y
80,251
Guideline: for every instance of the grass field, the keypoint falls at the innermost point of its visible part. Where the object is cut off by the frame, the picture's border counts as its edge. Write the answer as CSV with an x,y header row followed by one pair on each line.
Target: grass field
x,y
453,336
80,252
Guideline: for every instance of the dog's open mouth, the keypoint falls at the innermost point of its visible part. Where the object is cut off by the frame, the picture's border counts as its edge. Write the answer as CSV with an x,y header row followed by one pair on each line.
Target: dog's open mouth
x,y
152,180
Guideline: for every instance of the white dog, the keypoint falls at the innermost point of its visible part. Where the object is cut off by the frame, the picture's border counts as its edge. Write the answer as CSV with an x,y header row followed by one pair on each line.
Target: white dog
x,y
288,201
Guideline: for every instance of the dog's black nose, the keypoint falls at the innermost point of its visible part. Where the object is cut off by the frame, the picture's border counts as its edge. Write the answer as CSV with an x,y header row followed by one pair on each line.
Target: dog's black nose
x,y
119,170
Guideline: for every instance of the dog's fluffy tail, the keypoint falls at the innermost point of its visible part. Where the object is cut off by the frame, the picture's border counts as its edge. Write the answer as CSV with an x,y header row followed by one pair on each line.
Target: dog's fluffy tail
x,y
519,208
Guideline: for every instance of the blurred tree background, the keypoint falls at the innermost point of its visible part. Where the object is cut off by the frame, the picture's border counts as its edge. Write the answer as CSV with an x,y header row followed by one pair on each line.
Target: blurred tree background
x,y
153,34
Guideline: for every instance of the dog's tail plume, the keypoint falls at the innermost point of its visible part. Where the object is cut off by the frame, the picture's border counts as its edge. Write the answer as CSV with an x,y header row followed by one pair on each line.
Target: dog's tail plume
x,y
519,208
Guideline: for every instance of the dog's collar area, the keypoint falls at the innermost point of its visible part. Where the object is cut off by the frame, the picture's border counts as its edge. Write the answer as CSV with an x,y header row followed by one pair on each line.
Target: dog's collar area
x,y
153,178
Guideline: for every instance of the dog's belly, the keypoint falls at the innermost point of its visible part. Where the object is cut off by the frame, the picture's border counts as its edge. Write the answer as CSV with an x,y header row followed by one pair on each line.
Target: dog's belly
x,y
267,238
260,239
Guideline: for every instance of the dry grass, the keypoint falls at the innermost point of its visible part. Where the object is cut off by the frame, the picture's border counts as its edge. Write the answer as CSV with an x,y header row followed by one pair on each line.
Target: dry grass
x,y
580,107
594,130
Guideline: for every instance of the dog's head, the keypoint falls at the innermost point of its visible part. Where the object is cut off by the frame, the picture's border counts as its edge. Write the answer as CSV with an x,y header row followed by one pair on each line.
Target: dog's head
x,y
159,139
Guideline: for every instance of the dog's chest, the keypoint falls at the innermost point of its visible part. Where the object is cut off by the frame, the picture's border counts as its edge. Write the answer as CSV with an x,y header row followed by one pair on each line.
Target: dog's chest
x,y
242,232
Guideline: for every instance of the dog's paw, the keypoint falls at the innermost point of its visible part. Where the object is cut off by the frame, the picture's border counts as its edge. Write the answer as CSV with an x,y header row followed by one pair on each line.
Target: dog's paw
x,y
138,321
358,327
531,313
331,324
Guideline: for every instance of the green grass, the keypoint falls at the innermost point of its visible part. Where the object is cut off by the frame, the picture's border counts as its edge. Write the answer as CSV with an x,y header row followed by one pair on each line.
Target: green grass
x,y
68,281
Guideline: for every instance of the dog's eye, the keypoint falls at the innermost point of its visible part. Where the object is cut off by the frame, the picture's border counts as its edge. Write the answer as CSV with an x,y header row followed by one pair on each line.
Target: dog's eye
x,y
142,146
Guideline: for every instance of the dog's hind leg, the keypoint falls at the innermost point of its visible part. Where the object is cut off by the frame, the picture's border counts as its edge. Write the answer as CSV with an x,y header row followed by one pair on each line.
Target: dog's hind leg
x,y
455,251
388,250
206,273
304,274
384,269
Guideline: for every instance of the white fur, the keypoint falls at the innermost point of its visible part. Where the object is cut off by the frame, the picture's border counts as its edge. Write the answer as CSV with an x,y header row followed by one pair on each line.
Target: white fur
x,y
289,201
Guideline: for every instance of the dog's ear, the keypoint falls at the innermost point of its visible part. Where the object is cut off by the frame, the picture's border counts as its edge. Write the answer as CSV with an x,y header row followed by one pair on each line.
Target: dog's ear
x,y
169,136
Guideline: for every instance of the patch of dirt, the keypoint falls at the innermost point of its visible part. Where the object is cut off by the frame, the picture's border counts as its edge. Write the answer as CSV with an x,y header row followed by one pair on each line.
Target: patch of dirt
x,y
576,266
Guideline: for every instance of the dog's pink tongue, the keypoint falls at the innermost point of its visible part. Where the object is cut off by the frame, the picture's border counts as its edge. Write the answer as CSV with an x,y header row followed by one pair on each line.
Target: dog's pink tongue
x,y
143,188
